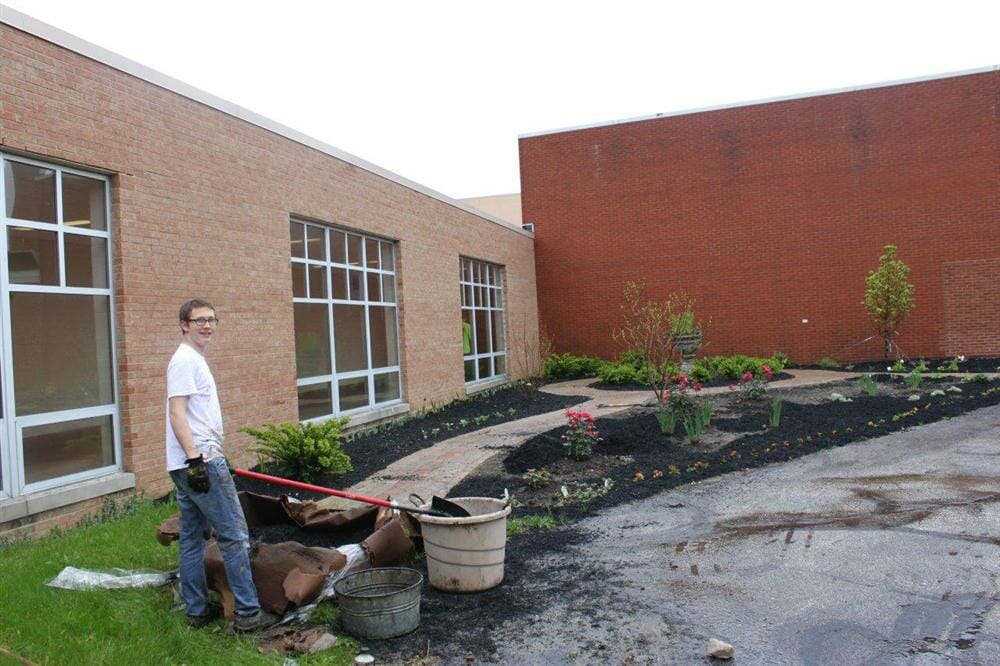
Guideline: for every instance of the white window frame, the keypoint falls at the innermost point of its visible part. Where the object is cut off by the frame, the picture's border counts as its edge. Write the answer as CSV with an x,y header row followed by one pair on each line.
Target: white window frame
x,y
500,275
333,379
11,449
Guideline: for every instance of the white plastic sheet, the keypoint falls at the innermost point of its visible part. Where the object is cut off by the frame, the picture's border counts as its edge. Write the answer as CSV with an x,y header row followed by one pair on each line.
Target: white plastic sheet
x,y
71,578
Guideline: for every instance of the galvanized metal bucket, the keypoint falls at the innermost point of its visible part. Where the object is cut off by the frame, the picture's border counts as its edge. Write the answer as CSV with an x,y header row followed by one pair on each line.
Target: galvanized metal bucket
x,y
380,603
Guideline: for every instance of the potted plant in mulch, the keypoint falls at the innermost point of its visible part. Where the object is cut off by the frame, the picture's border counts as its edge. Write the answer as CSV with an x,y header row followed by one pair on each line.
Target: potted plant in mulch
x,y
685,329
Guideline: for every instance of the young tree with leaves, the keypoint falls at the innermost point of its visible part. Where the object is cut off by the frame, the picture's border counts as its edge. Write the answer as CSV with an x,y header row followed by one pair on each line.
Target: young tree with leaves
x,y
888,296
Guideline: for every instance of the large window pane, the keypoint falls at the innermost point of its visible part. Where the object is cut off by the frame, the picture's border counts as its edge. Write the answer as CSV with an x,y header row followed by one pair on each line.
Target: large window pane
x,y
387,387
86,261
315,400
499,364
383,332
83,202
30,192
32,256
62,351
470,371
312,340
484,368
60,449
467,332
350,339
353,393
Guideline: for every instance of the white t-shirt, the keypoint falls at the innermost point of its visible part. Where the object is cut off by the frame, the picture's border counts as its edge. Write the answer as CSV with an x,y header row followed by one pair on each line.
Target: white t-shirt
x,y
188,374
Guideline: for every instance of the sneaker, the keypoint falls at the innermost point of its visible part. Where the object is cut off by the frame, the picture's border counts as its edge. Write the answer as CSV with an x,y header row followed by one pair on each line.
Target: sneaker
x,y
259,620
201,621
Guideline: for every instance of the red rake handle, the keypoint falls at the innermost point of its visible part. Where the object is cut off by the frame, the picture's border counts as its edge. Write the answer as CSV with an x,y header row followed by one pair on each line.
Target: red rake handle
x,y
336,493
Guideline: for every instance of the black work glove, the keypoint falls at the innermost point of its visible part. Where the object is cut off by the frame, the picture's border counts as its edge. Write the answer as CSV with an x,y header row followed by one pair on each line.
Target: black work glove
x,y
197,474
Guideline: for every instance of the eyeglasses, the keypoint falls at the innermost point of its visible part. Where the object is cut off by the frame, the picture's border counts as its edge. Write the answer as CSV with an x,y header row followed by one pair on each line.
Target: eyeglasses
x,y
202,322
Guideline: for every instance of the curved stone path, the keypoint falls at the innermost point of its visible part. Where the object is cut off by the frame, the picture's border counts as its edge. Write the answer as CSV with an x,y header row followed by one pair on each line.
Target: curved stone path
x,y
437,469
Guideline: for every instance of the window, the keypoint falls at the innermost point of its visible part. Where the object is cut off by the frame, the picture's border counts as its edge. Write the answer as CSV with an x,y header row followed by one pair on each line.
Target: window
x,y
346,341
483,332
58,402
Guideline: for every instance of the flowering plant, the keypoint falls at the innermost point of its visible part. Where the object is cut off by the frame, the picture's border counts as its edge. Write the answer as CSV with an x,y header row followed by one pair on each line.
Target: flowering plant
x,y
751,387
579,440
675,402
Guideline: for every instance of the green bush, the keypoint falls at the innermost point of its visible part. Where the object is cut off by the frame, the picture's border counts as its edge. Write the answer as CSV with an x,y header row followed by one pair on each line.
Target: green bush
x,y
568,365
305,451
828,363
620,373
734,366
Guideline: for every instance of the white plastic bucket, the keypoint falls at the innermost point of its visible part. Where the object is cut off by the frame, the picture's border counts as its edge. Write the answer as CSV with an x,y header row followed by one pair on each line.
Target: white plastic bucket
x,y
466,554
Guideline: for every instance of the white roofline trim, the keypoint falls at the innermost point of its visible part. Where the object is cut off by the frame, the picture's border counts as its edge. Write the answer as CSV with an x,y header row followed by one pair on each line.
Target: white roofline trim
x,y
50,33
769,100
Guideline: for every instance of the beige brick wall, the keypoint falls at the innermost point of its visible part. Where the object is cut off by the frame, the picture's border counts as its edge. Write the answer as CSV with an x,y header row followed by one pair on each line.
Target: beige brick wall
x,y
200,205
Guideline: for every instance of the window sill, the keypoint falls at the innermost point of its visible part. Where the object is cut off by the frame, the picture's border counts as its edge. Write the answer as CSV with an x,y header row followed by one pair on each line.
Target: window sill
x,y
46,500
377,414
486,384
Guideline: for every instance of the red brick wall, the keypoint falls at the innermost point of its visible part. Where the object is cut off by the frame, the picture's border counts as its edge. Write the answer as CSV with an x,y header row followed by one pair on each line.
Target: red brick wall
x,y
773,213
201,204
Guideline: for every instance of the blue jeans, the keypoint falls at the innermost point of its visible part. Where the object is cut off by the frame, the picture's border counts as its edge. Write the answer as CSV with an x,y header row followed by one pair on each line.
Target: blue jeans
x,y
218,508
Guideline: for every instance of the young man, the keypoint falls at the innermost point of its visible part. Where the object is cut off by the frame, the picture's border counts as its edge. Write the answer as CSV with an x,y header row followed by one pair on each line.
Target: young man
x,y
205,490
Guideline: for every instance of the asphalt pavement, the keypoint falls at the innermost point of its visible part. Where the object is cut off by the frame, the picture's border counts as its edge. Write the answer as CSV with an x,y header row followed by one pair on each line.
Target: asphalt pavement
x,y
881,552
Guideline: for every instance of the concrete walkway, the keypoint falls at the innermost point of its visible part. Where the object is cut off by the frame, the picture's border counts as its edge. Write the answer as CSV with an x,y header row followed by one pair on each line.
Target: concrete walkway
x,y
437,469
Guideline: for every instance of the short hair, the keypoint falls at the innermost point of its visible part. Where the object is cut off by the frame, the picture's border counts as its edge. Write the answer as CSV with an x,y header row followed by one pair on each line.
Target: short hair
x,y
194,303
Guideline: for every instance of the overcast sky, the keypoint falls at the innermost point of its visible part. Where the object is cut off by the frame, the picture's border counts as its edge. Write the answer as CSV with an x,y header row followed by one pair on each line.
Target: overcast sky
x,y
438,92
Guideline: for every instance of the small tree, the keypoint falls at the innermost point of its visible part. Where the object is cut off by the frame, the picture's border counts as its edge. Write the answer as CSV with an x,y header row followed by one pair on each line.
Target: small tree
x,y
646,331
527,348
888,296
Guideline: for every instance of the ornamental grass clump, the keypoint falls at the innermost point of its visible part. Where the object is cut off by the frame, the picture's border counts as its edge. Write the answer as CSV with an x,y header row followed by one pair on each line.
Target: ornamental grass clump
x,y
581,437
775,412
305,451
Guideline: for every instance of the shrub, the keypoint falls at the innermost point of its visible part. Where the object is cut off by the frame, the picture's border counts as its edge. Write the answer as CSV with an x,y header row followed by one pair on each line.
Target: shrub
x,y
750,387
568,365
913,380
735,366
619,373
828,363
537,478
868,385
305,451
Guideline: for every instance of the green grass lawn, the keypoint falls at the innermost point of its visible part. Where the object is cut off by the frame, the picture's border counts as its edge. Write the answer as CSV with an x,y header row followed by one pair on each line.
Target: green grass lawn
x,y
135,626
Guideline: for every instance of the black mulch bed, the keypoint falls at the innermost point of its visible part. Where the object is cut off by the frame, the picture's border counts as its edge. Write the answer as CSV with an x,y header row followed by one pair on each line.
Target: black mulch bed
x,y
717,381
375,450
805,428
969,365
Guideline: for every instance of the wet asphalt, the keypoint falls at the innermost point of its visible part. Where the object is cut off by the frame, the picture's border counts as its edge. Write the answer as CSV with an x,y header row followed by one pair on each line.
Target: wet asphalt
x,y
882,552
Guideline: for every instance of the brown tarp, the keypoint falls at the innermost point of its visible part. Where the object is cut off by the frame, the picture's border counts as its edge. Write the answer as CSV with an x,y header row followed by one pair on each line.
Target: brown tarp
x,y
289,574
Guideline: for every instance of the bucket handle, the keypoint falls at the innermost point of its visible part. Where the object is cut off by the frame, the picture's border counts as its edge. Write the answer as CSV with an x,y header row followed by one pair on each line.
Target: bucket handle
x,y
417,500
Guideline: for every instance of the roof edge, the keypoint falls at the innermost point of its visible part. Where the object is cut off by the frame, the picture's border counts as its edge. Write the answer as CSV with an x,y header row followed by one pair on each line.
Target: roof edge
x,y
767,100
50,33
